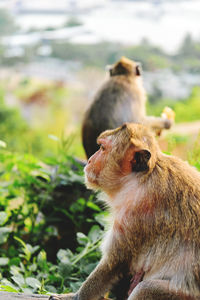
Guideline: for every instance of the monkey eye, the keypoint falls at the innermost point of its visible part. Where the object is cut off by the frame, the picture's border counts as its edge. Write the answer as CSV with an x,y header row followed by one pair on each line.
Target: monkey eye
x,y
102,147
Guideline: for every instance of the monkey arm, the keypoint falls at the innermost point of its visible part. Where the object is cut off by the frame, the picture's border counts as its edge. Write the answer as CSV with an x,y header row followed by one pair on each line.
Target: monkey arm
x,y
99,281
97,284
157,122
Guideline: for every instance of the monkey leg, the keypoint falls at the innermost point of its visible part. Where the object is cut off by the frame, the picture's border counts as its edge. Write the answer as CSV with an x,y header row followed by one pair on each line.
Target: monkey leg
x,y
156,290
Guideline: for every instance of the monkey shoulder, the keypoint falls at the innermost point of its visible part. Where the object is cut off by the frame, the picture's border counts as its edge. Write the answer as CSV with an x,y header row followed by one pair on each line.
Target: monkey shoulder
x,y
182,170
179,183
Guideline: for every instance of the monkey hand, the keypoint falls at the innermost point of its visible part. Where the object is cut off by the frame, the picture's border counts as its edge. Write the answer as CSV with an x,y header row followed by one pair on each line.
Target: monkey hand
x,y
168,123
168,114
70,296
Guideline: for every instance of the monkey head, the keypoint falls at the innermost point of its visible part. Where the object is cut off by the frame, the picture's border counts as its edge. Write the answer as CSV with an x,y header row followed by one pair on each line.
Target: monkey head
x,y
126,151
125,66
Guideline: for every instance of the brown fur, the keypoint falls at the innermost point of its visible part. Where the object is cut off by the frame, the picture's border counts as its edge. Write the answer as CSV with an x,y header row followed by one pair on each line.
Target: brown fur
x,y
121,99
154,233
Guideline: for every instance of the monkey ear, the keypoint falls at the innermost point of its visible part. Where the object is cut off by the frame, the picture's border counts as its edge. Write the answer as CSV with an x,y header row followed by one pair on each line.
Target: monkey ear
x,y
140,161
109,69
111,72
138,70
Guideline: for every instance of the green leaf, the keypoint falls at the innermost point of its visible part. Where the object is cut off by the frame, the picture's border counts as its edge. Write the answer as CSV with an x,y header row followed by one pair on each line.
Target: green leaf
x,y
3,217
33,282
75,286
82,238
19,280
93,206
4,261
14,270
53,137
14,261
51,160
73,177
65,269
26,249
42,256
63,256
32,268
77,207
94,233
8,288
89,267
4,233
102,218
32,249
51,289
2,144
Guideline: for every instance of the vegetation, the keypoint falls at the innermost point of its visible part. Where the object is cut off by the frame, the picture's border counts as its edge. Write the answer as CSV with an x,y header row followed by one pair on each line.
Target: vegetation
x,y
34,131
188,55
73,22
12,123
43,206
186,110
152,57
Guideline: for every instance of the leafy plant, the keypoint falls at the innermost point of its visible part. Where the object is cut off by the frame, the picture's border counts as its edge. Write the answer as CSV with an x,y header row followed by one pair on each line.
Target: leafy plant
x,y
32,273
43,207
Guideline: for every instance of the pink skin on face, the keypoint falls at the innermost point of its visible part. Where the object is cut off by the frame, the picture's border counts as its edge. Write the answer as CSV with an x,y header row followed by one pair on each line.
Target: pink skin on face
x,y
97,161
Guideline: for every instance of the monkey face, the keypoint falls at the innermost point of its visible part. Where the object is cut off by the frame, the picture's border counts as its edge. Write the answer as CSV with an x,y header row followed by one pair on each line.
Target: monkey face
x,y
96,163
123,151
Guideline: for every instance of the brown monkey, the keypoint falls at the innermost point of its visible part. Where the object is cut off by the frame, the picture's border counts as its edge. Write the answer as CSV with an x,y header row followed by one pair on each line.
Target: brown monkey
x,y
154,201
121,99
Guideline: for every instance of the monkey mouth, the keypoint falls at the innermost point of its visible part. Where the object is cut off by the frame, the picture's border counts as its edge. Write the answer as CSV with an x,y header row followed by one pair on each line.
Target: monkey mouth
x,y
90,176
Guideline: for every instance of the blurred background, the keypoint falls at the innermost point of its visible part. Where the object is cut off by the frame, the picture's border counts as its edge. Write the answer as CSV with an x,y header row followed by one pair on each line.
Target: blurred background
x,y
53,56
